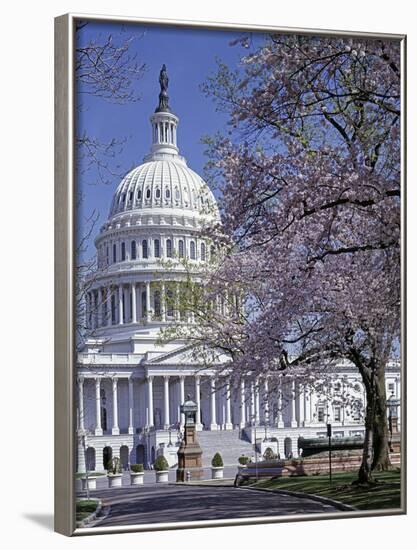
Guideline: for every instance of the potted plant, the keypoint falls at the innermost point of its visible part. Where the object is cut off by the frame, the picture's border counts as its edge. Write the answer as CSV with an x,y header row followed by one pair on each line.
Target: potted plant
x,y
217,466
89,480
161,468
114,473
136,474
269,454
243,460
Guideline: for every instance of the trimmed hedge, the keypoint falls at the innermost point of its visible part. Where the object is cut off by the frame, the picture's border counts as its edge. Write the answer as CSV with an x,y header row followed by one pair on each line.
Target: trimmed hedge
x,y
217,461
161,464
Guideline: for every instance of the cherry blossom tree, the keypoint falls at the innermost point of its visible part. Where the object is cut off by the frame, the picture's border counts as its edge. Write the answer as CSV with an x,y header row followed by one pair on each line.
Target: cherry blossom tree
x,y
309,182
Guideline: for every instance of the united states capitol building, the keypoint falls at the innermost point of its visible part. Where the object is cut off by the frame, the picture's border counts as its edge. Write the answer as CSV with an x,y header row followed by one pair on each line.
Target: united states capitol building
x,y
130,385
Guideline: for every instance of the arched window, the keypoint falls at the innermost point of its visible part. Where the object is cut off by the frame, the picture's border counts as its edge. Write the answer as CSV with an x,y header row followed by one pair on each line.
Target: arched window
x,y
192,250
139,194
114,253
157,248
212,252
203,252
181,248
131,196
144,249
167,193
169,248
177,194
133,250
107,255
123,252
148,193
158,193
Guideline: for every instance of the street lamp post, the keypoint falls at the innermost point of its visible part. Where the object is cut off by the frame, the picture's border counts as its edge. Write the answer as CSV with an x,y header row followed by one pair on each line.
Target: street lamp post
x,y
329,435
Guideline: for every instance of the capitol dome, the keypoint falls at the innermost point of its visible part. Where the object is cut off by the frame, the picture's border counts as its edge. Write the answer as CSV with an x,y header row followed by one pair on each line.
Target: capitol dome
x,y
163,183
155,234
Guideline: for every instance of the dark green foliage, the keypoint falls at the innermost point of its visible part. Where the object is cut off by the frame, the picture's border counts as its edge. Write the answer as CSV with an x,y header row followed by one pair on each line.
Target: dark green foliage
x,y
217,461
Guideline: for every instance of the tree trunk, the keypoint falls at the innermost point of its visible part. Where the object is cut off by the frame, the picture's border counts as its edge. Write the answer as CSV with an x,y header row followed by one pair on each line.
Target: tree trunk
x,y
376,445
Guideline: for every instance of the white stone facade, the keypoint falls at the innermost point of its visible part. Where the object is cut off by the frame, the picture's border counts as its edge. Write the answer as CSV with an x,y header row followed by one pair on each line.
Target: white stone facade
x,y
130,387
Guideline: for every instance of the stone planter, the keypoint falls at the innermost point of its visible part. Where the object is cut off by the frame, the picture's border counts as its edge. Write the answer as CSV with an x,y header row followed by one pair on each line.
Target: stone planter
x,y
91,481
161,476
136,478
217,472
115,480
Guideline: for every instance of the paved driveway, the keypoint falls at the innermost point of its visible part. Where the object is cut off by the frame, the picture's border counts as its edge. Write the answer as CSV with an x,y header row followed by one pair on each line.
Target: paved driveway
x,y
171,503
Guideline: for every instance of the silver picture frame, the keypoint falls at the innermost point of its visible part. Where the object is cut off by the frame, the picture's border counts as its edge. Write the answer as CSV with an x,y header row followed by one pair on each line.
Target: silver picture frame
x,y
65,217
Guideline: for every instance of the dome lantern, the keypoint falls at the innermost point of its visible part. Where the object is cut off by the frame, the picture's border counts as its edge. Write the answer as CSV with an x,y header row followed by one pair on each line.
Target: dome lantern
x,y
164,123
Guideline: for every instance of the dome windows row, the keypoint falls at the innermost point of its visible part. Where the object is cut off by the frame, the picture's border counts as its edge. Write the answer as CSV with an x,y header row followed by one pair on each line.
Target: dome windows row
x,y
132,198
152,248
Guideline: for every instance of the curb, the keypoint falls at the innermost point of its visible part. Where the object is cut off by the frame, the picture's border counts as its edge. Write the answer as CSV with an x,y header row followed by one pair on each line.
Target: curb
x,y
204,483
92,516
324,500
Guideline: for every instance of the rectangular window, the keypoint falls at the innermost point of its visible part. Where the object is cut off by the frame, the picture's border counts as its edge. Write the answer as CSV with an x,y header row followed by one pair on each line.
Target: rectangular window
x,y
337,414
320,414
157,248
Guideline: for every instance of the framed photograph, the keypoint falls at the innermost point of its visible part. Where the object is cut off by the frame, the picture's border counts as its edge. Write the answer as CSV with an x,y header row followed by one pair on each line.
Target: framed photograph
x,y
230,338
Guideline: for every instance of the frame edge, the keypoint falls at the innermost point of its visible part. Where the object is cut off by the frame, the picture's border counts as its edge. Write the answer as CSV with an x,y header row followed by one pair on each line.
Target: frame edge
x,y
64,504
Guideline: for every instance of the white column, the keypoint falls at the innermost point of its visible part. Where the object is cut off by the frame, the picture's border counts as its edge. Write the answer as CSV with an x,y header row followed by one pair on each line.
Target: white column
x,y
301,408
266,402
130,429
115,429
148,301
257,403
198,403
149,379
252,405
81,468
280,422
307,407
163,302
293,418
182,399
120,304
229,425
134,316
213,421
177,302
166,403
81,403
242,405
139,298
105,308
98,430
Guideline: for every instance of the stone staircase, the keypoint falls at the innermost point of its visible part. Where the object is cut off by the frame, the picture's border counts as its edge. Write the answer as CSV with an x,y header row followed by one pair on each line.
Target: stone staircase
x,y
226,442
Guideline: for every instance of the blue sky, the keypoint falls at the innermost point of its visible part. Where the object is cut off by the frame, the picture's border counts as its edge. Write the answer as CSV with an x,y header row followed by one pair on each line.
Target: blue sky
x,y
190,56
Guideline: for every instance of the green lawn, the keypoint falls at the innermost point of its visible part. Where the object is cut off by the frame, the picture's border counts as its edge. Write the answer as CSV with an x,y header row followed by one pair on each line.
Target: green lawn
x,y
84,508
386,493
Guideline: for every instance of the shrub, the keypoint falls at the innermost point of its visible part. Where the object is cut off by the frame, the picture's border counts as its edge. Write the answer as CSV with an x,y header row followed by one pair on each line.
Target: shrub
x,y
136,468
161,464
269,454
217,461
115,466
243,460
